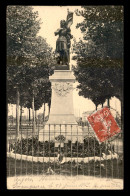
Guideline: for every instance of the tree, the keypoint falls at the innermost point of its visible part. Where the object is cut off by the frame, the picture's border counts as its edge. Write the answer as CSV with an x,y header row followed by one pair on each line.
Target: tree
x,y
43,95
99,55
22,27
28,57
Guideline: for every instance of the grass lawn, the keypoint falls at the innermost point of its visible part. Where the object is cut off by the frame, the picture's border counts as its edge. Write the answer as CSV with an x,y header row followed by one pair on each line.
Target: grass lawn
x,y
109,168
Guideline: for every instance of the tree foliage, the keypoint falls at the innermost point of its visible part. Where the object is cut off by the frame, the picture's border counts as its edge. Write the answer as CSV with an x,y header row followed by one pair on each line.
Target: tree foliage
x,y
99,55
29,57
22,27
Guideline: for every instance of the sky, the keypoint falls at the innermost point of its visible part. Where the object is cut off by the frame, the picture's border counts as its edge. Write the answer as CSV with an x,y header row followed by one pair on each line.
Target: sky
x,y
50,18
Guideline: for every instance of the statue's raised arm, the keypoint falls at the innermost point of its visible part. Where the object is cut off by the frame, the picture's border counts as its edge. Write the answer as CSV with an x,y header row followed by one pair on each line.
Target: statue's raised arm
x,y
57,31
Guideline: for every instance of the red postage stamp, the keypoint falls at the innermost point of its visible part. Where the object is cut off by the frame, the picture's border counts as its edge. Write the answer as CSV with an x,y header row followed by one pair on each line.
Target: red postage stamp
x,y
103,124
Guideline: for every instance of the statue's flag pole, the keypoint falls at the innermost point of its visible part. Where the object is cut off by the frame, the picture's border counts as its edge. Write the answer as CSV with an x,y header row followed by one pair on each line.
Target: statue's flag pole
x,y
69,19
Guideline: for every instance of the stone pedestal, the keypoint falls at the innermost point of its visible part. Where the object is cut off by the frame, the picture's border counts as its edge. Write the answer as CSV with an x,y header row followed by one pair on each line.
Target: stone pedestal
x,y
62,98
61,120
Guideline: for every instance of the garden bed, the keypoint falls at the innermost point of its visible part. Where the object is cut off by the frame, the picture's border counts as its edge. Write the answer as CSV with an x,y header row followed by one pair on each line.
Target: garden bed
x,y
33,147
30,156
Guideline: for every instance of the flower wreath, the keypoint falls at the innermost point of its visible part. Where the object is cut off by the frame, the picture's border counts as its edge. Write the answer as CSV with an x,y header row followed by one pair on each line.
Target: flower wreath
x,y
60,138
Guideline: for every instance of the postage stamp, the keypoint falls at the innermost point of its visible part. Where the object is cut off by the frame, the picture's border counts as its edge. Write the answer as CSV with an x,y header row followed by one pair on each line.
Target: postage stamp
x,y
103,124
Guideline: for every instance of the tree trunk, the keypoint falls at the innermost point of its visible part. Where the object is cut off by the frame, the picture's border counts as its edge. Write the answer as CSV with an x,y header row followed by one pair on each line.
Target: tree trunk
x,y
122,113
17,114
102,105
12,116
33,114
44,113
29,116
36,116
108,103
7,116
20,115
49,105
48,110
96,107
7,141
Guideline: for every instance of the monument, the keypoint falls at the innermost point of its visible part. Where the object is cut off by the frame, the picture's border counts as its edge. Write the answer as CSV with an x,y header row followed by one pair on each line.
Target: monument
x,y
61,119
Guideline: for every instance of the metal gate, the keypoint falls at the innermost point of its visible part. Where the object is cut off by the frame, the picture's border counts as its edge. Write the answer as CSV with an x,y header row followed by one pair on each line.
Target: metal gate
x,y
27,154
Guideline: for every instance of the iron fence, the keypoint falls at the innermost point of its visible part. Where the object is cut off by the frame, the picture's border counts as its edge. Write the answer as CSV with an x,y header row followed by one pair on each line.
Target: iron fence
x,y
63,150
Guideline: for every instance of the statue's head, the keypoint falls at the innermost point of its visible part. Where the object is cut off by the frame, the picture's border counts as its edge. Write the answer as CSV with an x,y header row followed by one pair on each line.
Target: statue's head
x,y
62,23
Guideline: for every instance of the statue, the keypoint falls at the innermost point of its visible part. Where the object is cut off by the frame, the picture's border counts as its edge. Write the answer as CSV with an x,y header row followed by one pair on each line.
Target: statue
x,y
63,42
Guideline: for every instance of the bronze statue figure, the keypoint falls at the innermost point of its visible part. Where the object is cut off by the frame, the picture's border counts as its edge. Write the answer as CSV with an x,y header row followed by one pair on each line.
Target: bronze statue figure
x,y
63,43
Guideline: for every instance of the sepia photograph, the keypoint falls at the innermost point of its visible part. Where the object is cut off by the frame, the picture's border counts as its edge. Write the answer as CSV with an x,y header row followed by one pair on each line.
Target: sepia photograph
x,y
65,104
